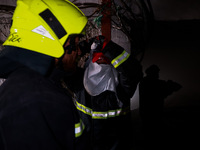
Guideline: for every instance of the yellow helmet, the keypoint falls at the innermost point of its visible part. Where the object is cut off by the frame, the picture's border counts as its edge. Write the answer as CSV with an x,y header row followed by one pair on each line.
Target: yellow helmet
x,y
44,25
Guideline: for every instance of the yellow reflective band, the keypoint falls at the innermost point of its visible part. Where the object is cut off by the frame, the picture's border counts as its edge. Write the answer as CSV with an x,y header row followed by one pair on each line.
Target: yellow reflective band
x,y
105,115
79,127
83,108
101,115
120,59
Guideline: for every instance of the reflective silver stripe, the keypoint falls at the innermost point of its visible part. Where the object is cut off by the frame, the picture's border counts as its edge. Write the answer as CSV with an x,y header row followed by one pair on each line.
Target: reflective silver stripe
x,y
101,115
120,59
84,109
79,127
105,115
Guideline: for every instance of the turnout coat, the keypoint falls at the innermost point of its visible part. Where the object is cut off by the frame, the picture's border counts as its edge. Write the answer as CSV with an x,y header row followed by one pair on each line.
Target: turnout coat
x,y
35,114
107,115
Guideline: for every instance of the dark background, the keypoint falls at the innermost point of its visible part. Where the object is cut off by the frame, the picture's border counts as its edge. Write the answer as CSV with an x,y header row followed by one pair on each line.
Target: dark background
x,y
174,46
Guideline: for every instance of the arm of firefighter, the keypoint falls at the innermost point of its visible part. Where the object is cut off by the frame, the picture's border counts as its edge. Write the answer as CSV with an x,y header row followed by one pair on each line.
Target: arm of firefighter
x,y
115,53
129,69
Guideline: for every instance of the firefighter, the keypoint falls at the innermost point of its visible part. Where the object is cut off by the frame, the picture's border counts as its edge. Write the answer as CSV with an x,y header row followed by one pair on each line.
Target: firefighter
x,y
102,95
34,113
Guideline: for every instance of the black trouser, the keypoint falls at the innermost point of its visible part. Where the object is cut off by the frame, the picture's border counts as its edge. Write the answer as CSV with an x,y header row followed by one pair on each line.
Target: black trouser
x,y
112,133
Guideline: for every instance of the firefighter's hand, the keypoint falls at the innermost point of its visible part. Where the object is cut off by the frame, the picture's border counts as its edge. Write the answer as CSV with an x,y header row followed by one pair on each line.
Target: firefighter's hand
x,y
70,61
110,49
99,43
85,46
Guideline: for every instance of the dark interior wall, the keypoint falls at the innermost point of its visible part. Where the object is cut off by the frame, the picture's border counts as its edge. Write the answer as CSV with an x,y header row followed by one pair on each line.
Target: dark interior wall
x,y
174,47
176,9
8,2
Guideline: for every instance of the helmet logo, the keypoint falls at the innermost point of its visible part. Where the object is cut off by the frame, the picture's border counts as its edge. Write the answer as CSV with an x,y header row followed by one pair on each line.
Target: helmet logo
x,y
42,31
14,37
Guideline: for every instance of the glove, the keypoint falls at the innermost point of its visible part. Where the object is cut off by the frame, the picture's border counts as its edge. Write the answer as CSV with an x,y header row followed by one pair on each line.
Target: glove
x,y
85,46
97,46
99,43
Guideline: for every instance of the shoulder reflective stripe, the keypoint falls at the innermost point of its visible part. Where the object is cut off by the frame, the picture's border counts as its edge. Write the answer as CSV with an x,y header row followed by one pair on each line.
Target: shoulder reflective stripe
x,y
101,115
120,59
79,127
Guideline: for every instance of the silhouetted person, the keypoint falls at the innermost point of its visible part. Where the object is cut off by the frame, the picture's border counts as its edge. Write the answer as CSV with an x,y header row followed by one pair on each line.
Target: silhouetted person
x,y
152,92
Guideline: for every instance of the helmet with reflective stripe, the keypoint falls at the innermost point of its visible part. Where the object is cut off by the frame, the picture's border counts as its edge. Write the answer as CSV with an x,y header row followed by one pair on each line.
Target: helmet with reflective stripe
x,y
44,25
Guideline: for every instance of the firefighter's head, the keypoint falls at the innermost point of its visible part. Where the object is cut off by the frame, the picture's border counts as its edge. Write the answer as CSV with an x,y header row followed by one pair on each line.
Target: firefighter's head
x,y
44,26
152,71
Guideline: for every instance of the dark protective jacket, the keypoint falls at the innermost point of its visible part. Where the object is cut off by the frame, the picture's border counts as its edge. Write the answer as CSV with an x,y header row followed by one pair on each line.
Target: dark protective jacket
x,y
34,113
109,122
